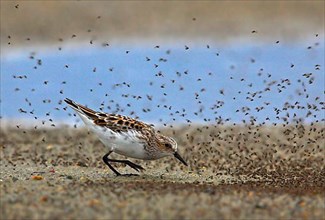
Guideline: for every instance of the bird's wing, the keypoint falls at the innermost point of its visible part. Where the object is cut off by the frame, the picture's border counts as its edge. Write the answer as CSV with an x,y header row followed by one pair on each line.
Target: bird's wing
x,y
115,122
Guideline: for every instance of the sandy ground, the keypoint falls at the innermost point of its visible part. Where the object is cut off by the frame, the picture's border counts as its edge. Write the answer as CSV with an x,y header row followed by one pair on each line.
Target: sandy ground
x,y
59,174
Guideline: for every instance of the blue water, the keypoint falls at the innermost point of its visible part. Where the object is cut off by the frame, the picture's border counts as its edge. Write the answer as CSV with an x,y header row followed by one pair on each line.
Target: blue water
x,y
201,70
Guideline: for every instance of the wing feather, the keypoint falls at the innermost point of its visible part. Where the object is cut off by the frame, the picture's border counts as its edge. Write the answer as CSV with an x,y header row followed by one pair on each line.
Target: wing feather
x,y
116,123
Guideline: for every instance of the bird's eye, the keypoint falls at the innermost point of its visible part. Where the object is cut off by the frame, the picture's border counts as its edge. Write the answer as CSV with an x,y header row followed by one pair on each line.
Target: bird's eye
x,y
168,145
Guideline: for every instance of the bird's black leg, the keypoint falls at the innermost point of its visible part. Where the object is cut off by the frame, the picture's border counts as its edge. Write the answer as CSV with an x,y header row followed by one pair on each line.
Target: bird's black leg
x,y
127,162
106,160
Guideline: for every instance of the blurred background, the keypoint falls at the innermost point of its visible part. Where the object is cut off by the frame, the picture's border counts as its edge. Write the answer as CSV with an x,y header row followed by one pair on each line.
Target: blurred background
x,y
160,21
162,61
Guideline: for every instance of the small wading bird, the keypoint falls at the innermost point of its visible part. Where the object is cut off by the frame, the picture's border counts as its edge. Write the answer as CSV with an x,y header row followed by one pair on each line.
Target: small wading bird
x,y
126,136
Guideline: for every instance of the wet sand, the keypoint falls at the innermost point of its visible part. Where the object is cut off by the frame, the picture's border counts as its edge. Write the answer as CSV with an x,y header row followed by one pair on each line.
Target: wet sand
x,y
59,174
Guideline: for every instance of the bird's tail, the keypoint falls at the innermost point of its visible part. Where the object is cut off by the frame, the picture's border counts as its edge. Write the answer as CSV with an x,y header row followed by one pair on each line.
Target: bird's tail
x,y
81,109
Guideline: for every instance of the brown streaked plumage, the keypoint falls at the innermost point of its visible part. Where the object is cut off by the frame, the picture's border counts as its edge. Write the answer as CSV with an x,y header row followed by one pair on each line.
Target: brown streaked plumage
x,y
115,122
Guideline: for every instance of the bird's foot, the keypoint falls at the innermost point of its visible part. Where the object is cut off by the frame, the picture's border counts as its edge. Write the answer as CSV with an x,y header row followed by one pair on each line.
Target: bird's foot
x,y
127,175
134,166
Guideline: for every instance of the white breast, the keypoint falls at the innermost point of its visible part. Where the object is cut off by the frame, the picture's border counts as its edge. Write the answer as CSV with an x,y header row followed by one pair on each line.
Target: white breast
x,y
126,143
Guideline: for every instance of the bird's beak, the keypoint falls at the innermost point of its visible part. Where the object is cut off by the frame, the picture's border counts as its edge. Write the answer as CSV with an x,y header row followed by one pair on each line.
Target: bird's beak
x,y
176,154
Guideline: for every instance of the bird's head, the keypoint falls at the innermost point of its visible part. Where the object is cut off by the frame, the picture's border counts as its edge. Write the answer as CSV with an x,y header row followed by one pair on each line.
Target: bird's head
x,y
169,146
